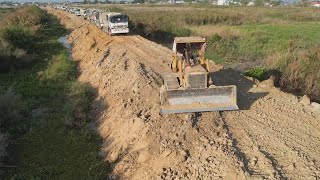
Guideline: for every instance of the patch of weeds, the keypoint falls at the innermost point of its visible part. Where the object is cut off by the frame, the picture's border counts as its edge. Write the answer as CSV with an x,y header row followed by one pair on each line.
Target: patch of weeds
x,y
59,69
77,107
258,73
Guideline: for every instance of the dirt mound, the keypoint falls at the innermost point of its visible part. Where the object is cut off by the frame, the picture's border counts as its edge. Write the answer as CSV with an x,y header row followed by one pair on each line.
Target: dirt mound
x,y
273,136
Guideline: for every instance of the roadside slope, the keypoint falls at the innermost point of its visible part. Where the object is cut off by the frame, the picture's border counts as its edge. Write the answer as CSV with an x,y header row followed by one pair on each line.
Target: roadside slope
x,y
251,143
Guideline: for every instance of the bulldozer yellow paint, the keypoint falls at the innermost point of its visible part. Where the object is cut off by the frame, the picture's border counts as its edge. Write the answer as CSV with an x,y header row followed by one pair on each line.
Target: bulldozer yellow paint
x,y
186,89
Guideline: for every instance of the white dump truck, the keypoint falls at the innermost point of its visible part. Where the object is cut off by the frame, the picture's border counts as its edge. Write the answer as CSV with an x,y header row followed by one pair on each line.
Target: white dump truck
x,y
113,23
90,14
77,11
94,16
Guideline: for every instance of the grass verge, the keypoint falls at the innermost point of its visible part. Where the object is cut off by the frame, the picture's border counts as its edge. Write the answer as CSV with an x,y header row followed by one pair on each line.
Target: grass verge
x,y
52,139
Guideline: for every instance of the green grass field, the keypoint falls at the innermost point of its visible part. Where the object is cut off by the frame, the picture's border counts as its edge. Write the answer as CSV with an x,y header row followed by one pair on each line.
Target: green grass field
x,y
58,143
250,43
4,11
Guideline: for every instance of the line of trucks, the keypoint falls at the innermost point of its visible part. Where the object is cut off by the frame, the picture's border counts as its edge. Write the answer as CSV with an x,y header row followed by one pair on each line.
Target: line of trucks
x,y
110,22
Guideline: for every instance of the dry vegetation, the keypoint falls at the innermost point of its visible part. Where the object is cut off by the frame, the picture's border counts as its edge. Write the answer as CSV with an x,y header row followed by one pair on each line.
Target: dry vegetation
x,y
18,32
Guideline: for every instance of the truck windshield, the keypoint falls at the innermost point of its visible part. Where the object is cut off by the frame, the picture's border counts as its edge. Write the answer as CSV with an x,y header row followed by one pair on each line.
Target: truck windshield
x,y
119,19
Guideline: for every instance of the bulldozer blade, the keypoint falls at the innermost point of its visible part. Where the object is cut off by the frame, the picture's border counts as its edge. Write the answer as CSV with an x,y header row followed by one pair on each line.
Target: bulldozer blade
x,y
217,98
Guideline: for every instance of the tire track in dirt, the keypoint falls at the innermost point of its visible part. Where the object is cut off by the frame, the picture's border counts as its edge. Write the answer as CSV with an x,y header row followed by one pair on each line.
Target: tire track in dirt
x,y
273,136
283,132
142,50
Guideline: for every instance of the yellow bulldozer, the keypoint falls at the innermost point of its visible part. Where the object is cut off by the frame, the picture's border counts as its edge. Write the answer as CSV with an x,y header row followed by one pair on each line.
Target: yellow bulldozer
x,y
187,87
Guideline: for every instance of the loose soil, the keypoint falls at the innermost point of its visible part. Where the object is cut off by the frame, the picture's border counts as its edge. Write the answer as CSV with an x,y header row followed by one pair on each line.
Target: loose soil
x,y
272,136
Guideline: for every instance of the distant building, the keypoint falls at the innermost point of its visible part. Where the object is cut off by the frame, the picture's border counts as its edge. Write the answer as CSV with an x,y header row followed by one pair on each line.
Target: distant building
x,y
251,3
223,2
176,1
179,2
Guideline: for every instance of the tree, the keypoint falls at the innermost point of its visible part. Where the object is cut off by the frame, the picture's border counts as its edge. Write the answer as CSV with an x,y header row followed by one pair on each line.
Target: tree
x,y
259,3
138,1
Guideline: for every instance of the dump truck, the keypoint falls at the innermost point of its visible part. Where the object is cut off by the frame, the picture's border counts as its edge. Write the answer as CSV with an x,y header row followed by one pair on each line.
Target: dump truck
x,y
83,13
90,14
93,15
187,88
77,11
113,23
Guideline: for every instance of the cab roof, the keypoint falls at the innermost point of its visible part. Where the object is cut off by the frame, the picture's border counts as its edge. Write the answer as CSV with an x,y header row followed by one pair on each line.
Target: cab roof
x,y
194,39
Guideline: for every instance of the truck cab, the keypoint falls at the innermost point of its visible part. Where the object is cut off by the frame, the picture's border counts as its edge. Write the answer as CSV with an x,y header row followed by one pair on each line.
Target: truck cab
x,y
77,12
83,13
114,23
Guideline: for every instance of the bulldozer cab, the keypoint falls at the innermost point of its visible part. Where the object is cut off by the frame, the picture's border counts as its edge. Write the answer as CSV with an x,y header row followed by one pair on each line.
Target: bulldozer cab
x,y
190,49
181,42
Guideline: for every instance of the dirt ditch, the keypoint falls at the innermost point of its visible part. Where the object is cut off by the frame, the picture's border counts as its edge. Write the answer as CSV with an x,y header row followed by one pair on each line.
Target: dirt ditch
x,y
273,136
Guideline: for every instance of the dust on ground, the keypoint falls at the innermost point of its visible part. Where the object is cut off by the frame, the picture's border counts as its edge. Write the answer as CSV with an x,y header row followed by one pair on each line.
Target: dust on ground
x,y
274,135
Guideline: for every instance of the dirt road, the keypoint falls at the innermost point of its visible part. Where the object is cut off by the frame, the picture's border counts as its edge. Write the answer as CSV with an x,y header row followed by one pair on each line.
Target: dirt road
x,y
273,136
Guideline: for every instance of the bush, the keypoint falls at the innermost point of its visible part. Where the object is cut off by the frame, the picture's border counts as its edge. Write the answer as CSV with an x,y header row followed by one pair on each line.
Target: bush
x,y
258,73
18,32
19,37
10,110
301,70
250,47
226,47
29,17
12,58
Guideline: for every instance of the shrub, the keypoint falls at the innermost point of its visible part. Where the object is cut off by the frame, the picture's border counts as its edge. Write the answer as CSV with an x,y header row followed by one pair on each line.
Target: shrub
x,y
17,36
18,31
226,47
258,73
29,17
12,58
301,70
